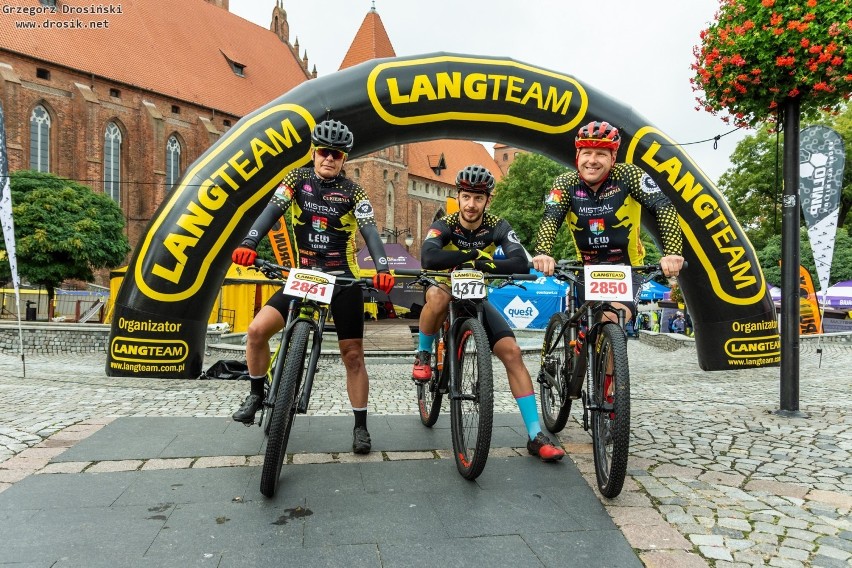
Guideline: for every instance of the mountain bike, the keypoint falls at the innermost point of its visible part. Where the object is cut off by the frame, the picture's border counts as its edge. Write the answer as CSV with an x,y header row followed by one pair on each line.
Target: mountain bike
x,y
461,364
291,380
582,346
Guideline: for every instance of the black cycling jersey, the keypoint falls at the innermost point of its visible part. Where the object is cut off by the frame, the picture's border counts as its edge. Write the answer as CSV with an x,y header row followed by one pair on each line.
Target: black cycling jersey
x,y
449,244
605,223
325,215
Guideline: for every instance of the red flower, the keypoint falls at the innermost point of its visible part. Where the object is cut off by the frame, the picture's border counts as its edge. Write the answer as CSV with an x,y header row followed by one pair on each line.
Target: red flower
x,y
763,51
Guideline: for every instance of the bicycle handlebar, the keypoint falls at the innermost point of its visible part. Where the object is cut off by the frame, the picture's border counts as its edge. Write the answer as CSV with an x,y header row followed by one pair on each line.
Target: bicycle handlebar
x,y
421,272
276,272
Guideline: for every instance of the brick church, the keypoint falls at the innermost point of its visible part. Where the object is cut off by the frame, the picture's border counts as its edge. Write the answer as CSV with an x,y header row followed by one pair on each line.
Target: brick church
x,y
128,104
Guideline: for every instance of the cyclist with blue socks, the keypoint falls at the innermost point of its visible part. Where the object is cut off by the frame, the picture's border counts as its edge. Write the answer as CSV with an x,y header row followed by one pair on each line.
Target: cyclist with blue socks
x,y
468,238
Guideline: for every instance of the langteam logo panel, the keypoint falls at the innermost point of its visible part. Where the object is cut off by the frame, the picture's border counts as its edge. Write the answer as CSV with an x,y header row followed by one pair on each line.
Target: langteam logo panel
x,y
443,88
171,267
722,250
140,350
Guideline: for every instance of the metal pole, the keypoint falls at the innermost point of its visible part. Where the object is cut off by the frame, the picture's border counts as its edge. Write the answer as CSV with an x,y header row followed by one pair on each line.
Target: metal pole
x,y
790,261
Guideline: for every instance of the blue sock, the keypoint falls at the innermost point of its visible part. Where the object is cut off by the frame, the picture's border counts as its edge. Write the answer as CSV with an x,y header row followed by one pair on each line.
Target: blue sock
x,y
426,342
529,412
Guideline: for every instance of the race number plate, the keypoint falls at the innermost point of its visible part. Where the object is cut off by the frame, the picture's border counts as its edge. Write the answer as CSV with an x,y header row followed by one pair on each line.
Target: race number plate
x,y
310,285
467,284
609,283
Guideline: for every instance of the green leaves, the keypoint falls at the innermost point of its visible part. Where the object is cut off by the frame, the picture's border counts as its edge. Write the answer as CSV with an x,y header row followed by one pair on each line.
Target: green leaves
x,y
760,52
63,230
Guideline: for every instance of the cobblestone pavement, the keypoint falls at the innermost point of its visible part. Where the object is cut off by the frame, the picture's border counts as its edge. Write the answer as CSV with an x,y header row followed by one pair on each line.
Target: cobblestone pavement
x,y
717,477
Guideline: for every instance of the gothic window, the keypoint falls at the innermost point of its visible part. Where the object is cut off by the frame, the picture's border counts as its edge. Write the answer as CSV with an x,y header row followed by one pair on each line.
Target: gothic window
x,y
40,140
112,162
172,162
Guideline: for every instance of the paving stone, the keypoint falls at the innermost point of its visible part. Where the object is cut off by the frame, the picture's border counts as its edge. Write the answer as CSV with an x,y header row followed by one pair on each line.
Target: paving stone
x,y
219,461
672,559
771,458
112,466
715,553
655,537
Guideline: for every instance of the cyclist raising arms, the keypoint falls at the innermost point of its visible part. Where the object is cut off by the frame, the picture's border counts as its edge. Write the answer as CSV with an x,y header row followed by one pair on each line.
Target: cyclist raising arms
x,y
469,237
326,209
605,201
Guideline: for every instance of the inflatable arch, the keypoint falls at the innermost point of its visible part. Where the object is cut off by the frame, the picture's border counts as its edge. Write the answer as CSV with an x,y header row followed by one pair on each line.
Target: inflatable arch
x,y
160,319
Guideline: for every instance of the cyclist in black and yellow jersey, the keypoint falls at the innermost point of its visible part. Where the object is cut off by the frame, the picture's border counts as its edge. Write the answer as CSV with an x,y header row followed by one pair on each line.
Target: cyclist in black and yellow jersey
x,y
326,210
603,202
469,238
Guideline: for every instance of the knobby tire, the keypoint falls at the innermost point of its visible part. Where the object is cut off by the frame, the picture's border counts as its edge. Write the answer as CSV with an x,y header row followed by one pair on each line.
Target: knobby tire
x,y
611,425
555,374
285,408
428,397
472,411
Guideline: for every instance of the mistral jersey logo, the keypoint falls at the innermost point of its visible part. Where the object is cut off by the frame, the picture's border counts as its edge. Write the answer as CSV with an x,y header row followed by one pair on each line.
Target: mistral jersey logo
x,y
520,312
435,89
194,224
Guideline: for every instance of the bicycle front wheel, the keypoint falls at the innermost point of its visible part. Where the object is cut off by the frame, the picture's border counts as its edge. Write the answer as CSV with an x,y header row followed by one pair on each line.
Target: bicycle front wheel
x,y
556,358
270,389
284,410
472,401
611,409
428,396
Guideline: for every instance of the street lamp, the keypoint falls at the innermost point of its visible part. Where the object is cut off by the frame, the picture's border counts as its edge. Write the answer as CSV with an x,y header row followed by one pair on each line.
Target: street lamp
x,y
391,235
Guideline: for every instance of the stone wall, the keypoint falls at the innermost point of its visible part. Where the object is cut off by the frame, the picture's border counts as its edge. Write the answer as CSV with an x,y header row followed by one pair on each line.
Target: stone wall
x,y
41,338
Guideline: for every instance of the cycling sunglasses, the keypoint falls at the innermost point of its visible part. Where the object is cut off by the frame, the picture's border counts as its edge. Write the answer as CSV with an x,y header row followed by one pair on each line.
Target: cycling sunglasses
x,y
326,152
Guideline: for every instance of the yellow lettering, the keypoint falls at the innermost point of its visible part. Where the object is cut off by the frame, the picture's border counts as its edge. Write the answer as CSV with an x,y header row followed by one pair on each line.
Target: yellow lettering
x,y
286,136
258,149
211,195
197,216
220,173
447,86
512,87
687,186
422,88
740,273
534,93
241,166
475,86
497,80
554,101
395,97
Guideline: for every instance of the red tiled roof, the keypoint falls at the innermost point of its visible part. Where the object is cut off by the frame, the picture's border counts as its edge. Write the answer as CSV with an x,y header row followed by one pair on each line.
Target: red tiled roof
x,y
457,155
173,47
371,42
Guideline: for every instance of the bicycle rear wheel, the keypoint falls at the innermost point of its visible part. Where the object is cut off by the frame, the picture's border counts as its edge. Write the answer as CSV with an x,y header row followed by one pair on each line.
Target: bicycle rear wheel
x,y
611,420
556,358
428,397
472,407
285,409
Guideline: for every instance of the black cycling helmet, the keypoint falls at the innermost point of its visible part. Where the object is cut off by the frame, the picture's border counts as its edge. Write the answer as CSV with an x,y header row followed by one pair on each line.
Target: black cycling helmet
x,y
333,134
598,135
475,179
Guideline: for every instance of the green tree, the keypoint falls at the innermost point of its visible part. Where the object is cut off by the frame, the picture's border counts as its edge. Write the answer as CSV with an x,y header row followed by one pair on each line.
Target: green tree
x,y
753,185
519,198
63,230
753,189
769,258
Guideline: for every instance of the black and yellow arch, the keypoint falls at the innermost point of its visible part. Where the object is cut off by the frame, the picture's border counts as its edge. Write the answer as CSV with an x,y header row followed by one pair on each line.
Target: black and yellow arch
x,y
161,310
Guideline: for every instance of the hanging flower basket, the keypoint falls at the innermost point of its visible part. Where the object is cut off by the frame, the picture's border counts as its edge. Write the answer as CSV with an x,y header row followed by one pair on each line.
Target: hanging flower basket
x,y
760,52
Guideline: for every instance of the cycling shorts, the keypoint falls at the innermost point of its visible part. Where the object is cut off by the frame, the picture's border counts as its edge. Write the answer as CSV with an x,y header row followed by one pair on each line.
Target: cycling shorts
x,y
347,309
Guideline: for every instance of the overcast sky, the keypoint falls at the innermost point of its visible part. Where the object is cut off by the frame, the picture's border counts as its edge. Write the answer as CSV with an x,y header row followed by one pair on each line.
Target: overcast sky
x,y
639,52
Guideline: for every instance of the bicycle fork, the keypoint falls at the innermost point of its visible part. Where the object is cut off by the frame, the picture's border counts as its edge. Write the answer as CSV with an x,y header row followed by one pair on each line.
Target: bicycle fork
x,y
316,347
